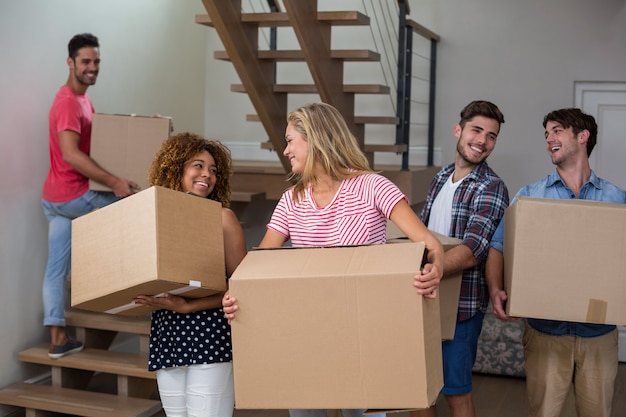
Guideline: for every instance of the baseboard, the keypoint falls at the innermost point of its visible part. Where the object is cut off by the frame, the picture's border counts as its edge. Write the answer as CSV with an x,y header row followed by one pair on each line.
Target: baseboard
x,y
622,343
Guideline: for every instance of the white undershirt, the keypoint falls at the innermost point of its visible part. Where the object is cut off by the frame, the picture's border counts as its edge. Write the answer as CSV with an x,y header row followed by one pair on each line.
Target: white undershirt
x,y
441,211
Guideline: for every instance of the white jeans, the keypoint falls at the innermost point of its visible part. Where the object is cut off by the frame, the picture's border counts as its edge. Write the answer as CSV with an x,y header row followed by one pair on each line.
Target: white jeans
x,y
197,390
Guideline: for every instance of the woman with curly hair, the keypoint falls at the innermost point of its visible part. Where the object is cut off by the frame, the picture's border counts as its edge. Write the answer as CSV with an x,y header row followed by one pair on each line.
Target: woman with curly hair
x,y
190,343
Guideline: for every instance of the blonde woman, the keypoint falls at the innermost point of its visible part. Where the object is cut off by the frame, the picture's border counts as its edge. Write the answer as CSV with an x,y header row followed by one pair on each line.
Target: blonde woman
x,y
338,200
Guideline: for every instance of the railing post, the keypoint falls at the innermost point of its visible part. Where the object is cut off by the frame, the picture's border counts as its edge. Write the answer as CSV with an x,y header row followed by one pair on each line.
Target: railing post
x,y
273,40
431,103
403,100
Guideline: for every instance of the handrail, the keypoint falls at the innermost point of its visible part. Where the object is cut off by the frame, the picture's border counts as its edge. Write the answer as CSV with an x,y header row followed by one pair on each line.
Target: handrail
x,y
421,30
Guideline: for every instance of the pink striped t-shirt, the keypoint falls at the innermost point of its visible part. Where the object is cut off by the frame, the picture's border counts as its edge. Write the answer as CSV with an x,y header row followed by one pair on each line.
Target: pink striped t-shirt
x,y
357,215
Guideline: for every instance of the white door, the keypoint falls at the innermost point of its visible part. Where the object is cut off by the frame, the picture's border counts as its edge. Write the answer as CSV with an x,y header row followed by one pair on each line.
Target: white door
x,y
606,101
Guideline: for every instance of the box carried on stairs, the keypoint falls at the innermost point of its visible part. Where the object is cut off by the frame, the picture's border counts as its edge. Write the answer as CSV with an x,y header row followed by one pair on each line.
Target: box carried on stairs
x,y
125,145
156,241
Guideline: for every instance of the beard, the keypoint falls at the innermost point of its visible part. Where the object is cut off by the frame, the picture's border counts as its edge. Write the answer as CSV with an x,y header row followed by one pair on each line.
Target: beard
x,y
470,160
85,80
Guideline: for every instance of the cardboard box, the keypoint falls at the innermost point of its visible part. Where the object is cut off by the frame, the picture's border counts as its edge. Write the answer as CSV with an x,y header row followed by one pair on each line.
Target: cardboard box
x,y
339,327
126,144
152,242
565,260
449,287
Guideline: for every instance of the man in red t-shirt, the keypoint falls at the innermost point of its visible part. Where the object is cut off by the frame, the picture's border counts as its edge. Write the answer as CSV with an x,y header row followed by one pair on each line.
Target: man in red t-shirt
x,y
66,193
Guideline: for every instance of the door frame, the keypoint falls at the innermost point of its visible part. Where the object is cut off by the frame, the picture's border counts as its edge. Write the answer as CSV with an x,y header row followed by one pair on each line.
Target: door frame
x,y
581,89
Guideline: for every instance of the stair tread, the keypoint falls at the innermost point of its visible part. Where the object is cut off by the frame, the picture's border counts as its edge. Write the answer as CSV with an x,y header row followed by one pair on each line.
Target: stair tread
x,y
113,322
380,120
76,402
291,55
90,359
281,19
382,147
312,89
379,147
391,120
247,196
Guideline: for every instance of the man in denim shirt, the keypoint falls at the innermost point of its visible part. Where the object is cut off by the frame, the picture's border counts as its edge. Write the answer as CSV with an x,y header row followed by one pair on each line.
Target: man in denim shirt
x,y
558,353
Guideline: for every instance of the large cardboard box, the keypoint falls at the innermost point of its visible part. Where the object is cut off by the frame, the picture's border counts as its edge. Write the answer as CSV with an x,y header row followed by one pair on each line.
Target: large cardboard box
x,y
339,327
152,242
566,260
126,144
449,287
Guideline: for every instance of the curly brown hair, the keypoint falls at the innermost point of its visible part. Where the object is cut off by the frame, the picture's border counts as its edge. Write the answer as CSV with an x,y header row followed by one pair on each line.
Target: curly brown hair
x,y
169,163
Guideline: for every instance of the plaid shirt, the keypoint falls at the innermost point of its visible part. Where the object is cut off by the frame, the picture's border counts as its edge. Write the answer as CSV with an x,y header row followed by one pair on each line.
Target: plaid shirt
x,y
477,208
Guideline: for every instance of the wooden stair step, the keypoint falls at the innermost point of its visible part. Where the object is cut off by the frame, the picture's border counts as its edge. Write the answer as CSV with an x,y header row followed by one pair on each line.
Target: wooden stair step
x,y
381,120
258,167
111,322
296,55
270,177
376,120
367,148
381,147
281,19
89,359
75,402
247,196
312,89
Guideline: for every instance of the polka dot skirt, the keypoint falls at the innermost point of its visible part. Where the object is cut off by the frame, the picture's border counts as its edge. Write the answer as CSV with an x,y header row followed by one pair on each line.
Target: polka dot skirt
x,y
188,339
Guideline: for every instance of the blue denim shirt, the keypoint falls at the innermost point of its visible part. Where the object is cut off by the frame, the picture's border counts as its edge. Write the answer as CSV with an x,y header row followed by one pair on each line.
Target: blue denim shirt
x,y
553,186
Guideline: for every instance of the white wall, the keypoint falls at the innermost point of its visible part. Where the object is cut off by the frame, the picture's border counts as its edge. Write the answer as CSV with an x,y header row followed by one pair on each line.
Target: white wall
x,y
523,55
153,58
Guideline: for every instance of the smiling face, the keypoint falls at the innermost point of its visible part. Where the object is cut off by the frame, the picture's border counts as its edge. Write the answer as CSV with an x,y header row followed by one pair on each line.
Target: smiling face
x,y
476,139
84,67
200,175
297,149
563,144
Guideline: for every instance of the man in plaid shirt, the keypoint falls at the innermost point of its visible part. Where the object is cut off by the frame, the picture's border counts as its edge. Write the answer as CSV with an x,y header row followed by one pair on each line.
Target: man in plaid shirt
x,y
466,200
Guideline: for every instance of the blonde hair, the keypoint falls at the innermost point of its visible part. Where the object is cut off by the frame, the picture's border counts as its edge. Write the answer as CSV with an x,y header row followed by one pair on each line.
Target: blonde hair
x,y
331,146
169,163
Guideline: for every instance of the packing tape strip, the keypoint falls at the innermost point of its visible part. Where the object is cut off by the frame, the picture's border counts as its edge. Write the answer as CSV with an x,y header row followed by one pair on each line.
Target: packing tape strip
x,y
596,311
193,285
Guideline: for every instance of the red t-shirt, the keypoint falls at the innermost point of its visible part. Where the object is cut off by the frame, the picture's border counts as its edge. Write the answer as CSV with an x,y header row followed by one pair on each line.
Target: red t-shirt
x,y
73,112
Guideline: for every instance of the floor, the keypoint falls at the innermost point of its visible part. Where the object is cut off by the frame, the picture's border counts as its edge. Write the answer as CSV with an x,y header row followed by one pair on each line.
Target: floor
x,y
494,396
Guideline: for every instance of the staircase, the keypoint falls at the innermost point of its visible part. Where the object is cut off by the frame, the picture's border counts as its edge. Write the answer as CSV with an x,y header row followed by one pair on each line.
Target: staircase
x,y
79,384
257,70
